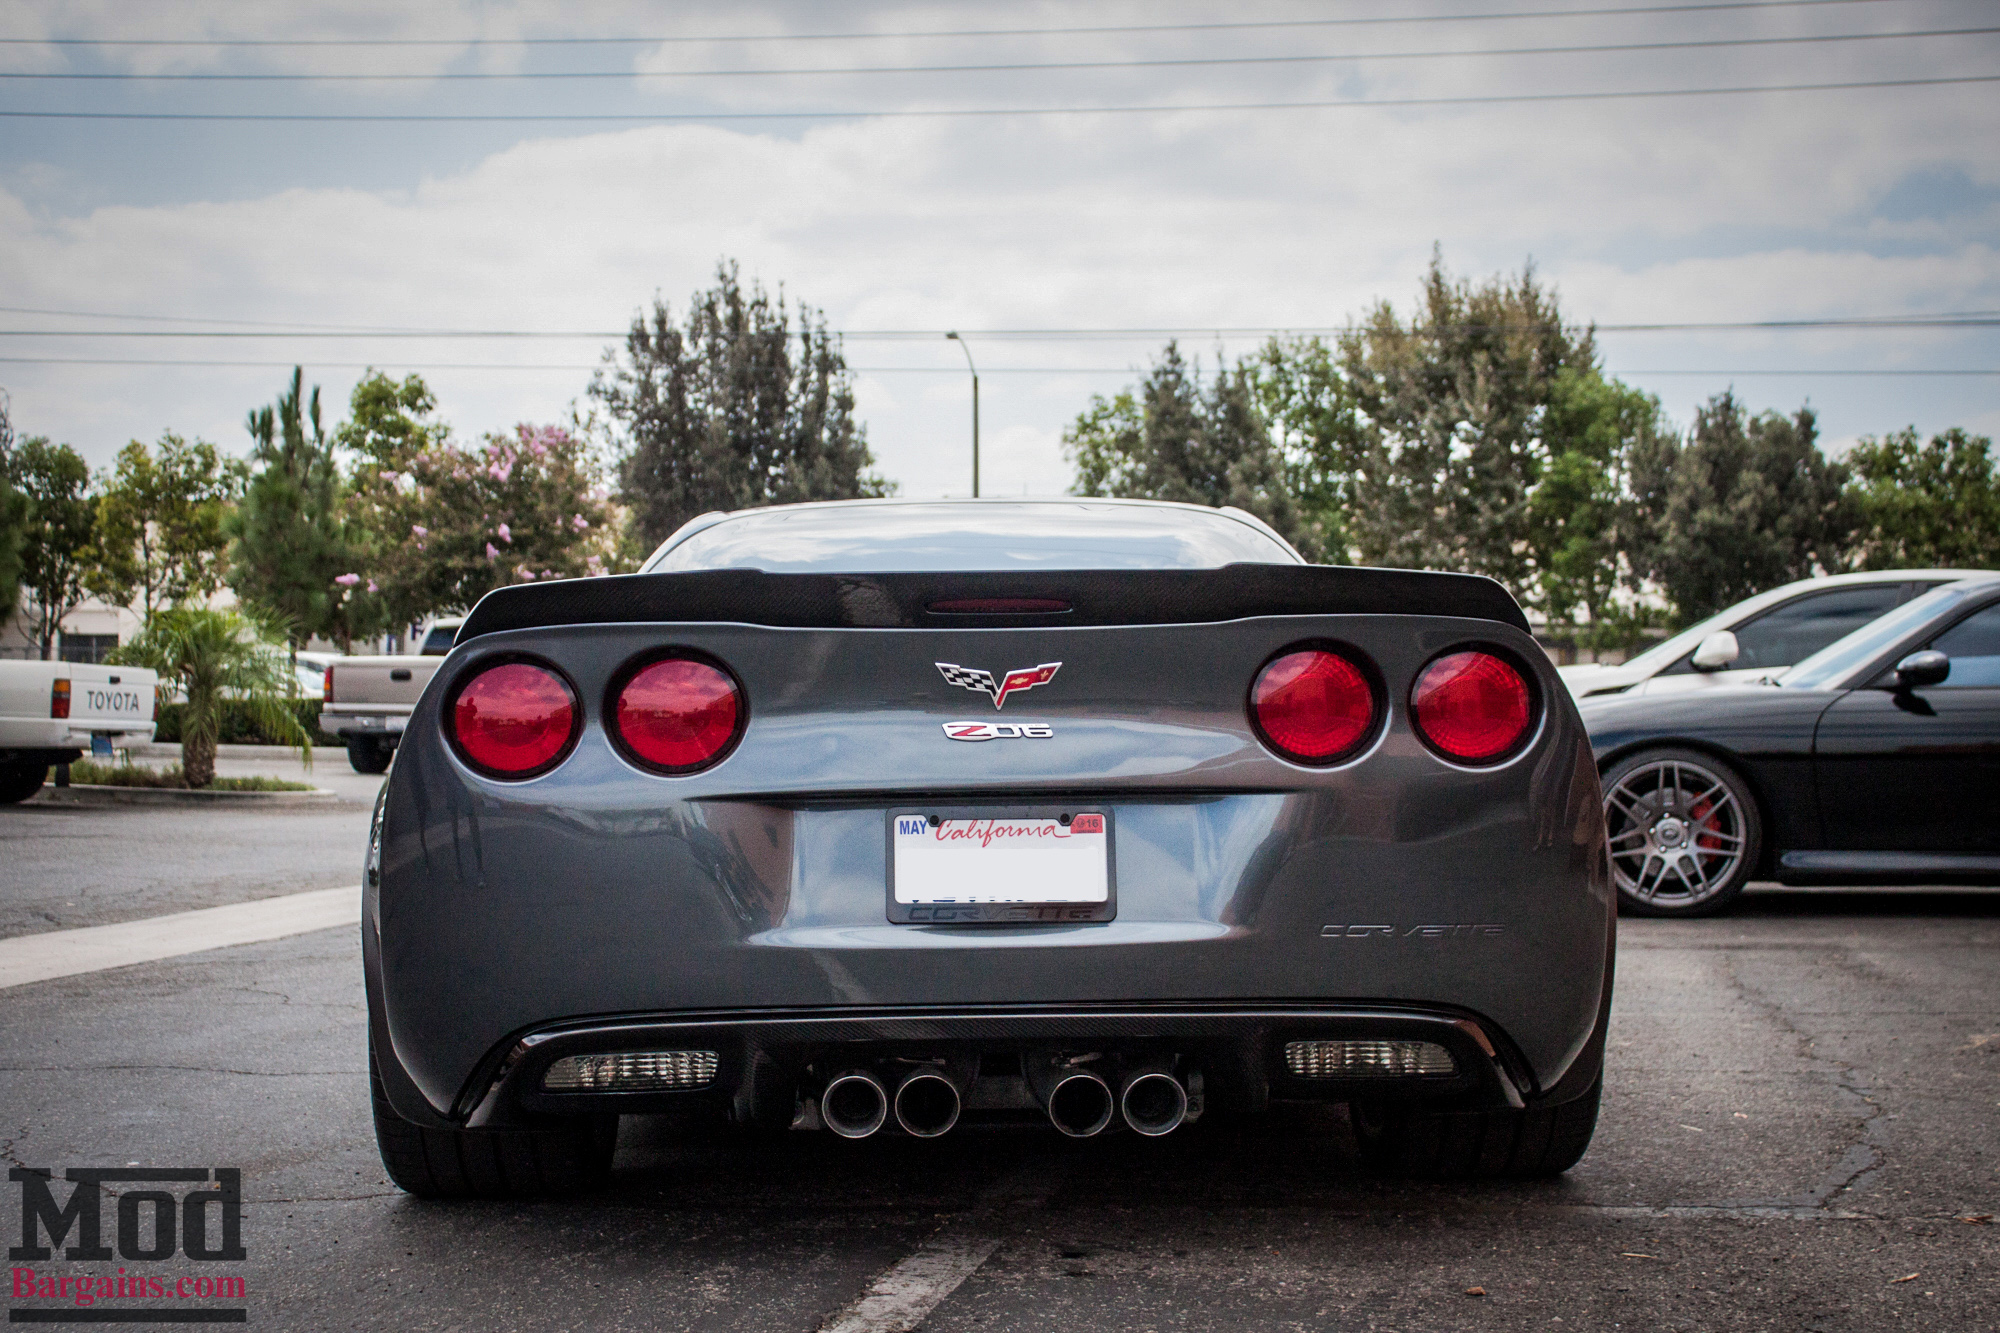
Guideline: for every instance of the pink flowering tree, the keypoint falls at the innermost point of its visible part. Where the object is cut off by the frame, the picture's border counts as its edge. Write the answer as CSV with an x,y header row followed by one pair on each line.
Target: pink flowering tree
x,y
450,524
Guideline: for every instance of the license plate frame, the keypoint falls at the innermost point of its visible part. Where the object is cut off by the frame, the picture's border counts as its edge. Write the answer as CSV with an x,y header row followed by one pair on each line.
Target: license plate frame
x,y
1013,913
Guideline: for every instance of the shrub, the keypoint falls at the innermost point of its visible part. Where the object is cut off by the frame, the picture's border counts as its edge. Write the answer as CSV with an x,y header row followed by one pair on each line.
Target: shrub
x,y
240,726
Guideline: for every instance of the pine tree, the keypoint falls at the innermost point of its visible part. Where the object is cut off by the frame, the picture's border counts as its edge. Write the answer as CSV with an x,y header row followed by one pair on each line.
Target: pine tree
x,y
1745,504
732,409
1176,439
288,539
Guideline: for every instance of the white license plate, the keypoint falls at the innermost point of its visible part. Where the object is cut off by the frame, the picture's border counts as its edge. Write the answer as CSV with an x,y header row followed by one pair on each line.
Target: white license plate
x,y
959,866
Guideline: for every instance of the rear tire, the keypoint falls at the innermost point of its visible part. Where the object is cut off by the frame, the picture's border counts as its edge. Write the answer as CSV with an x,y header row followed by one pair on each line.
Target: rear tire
x,y
1410,1140
368,755
489,1163
20,781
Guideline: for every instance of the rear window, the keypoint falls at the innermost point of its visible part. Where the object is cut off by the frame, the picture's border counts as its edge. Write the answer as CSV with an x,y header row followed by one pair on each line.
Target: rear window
x,y
1793,632
973,535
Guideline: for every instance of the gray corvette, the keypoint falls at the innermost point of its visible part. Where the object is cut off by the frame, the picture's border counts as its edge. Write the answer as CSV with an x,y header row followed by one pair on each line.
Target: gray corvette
x,y
909,817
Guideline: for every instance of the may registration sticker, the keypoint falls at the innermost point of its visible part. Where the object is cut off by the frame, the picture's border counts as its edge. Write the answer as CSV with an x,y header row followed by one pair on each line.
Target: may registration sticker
x,y
958,866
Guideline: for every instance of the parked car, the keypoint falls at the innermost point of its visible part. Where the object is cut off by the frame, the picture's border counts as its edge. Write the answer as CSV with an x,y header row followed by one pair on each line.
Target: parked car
x,y
311,669
366,701
53,712
885,815
1876,760
1763,634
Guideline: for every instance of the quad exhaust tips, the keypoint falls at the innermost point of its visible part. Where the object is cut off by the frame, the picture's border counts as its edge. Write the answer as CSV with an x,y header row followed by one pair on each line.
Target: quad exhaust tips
x,y
927,1104
854,1104
1153,1102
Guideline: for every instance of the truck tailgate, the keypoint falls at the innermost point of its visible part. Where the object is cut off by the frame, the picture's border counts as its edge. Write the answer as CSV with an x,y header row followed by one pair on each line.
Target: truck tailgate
x,y
396,682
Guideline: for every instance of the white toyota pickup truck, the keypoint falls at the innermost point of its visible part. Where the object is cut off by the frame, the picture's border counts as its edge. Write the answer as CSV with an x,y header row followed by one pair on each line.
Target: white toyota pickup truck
x,y
368,699
52,712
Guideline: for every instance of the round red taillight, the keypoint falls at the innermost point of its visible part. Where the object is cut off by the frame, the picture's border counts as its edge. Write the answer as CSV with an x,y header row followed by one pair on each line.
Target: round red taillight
x,y
514,720
1312,706
678,714
1472,706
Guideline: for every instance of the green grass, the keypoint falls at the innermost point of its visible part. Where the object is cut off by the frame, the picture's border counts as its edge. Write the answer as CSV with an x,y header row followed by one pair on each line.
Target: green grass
x,y
87,773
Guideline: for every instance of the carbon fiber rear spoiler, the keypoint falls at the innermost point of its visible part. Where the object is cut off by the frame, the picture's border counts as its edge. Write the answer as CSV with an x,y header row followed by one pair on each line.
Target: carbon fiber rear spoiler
x,y
904,601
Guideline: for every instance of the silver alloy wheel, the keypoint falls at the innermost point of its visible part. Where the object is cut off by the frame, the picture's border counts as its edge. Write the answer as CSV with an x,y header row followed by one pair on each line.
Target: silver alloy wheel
x,y
1676,833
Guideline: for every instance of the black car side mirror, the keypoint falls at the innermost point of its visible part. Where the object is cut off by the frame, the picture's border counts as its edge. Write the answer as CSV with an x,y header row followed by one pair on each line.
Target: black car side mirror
x,y
1929,667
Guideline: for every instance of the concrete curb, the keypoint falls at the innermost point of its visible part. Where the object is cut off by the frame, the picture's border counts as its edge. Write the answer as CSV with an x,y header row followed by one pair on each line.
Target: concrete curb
x,y
172,750
80,794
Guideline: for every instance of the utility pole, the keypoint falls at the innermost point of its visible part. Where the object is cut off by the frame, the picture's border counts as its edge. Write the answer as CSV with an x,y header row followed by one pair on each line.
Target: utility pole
x,y
953,335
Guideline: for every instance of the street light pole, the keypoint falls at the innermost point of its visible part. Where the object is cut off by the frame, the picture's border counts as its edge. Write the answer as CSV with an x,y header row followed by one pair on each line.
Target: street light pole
x,y
975,408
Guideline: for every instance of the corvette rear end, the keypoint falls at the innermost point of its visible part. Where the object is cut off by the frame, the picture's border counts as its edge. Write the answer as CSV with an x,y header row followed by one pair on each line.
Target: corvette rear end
x,y
909,851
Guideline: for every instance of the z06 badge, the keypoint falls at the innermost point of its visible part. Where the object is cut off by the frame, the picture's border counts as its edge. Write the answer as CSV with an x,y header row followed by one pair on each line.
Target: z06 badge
x,y
999,731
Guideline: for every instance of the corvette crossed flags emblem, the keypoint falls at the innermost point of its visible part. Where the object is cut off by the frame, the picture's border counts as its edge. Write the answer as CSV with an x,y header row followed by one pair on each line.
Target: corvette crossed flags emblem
x,y
1022,678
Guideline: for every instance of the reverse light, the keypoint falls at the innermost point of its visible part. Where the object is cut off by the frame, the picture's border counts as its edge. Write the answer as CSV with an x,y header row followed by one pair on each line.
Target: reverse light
x,y
631,1071
1367,1059
1313,706
59,698
513,720
1472,706
677,714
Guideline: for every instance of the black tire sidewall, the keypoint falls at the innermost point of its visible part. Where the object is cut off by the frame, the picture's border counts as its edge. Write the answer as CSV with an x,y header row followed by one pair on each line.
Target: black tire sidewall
x,y
1753,829
20,781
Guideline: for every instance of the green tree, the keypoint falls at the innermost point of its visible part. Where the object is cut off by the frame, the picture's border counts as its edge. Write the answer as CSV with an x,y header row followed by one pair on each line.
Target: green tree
x,y
1744,504
56,553
1447,447
732,409
1591,427
1176,439
390,420
289,538
213,655
1927,505
159,524
15,515
1315,423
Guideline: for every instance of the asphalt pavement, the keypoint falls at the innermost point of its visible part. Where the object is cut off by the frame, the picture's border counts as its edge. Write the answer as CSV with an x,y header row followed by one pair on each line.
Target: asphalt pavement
x,y
1800,1118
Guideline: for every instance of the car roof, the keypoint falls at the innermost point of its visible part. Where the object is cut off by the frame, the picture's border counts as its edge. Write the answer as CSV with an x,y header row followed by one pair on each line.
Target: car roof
x,y
1065,532
1667,650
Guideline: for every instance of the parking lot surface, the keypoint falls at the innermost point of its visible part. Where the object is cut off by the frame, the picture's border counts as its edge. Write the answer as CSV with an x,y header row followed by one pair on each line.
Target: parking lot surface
x,y
1799,1132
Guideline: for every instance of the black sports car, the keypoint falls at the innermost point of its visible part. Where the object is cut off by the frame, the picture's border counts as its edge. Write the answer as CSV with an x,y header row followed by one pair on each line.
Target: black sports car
x,y
1874,761
883,815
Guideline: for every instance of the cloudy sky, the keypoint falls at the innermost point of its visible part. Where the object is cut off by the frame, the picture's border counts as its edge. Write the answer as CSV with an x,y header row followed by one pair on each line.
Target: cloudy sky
x,y
913,168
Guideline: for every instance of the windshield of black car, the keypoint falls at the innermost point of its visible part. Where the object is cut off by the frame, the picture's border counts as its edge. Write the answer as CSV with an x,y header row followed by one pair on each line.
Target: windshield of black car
x,y
1843,656
812,539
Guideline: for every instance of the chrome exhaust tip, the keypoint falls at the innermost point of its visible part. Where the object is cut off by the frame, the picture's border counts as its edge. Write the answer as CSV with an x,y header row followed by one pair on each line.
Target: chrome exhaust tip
x,y
1080,1105
854,1105
927,1104
1153,1103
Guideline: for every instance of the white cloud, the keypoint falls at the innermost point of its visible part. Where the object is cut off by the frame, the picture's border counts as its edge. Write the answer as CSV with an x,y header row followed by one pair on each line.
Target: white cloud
x,y
1727,208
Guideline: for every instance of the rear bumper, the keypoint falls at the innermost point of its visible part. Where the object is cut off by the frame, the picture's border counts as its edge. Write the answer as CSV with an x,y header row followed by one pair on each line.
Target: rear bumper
x,y
375,722
764,1061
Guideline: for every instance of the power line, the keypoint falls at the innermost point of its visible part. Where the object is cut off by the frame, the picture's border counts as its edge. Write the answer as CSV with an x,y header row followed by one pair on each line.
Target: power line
x,y
1965,320
572,367
929,34
666,117
990,68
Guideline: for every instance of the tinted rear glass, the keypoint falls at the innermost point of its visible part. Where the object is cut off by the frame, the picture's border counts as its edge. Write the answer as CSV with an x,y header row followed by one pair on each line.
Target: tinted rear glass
x,y
985,535
1973,645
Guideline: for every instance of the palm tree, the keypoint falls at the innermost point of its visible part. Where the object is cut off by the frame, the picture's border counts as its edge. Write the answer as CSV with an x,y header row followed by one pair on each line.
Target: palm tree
x,y
211,655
